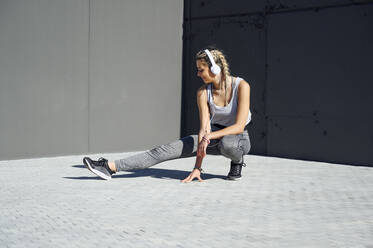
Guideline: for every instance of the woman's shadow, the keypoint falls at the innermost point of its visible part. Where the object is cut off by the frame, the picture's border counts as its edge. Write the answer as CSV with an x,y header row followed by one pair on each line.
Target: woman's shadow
x,y
148,172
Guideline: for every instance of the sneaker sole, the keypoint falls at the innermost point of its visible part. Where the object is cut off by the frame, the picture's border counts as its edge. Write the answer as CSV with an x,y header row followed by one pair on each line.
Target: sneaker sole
x,y
98,173
233,178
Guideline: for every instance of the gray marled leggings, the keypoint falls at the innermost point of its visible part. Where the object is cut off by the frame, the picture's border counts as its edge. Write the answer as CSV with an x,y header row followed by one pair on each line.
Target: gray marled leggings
x,y
230,146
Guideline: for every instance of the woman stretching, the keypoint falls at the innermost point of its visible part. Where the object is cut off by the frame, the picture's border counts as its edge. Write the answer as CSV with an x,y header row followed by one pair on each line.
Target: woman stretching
x,y
222,96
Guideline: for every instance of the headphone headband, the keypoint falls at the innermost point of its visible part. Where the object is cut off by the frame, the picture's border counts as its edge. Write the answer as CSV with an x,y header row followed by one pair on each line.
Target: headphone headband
x,y
210,57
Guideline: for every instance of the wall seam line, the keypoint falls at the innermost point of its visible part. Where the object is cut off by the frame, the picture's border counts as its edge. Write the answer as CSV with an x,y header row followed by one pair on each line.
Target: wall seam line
x,y
278,11
89,75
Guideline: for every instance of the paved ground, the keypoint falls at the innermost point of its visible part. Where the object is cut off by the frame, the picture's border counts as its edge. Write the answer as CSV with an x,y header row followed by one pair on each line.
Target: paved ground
x,y
56,202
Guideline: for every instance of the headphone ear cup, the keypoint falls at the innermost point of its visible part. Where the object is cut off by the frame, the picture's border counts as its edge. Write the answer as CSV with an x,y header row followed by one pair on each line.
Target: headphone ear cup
x,y
215,69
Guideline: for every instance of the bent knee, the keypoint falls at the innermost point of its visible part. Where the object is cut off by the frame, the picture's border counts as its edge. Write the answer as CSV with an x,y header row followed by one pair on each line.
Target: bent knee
x,y
228,144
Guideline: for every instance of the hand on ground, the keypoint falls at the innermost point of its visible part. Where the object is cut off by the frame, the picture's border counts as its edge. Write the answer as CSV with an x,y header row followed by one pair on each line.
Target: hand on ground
x,y
194,174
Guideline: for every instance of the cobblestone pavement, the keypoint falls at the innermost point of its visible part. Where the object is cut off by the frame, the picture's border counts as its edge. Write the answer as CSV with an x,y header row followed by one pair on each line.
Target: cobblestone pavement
x,y
57,202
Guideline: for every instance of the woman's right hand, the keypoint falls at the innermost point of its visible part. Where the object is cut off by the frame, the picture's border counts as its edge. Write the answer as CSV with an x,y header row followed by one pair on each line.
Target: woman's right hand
x,y
194,174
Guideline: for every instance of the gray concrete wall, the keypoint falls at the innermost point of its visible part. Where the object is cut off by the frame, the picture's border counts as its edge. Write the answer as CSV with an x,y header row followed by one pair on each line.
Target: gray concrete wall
x,y
88,76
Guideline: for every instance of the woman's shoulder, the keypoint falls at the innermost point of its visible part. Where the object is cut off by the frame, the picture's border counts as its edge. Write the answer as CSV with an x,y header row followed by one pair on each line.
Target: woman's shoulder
x,y
241,82
202,91
202,88
243,85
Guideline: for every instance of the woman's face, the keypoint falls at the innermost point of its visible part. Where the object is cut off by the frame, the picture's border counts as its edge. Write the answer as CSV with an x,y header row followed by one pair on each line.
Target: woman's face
x,y
203,71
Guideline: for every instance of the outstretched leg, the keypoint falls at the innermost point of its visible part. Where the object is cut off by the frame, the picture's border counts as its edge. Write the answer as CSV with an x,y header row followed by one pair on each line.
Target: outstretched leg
x,y
183,147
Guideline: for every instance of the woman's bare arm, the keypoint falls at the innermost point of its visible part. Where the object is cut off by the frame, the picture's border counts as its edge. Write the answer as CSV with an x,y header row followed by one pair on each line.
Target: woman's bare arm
x,y
204,112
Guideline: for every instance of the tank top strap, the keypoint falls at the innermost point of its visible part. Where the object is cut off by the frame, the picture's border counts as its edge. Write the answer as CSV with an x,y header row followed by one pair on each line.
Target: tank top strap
x,y
236,82
209,93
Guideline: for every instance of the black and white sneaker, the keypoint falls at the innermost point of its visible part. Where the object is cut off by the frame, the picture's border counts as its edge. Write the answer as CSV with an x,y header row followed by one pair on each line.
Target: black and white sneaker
x,y
235,171
100,167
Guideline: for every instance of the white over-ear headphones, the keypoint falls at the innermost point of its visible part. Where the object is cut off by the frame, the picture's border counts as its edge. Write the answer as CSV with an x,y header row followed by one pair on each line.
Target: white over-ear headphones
x,y
214,67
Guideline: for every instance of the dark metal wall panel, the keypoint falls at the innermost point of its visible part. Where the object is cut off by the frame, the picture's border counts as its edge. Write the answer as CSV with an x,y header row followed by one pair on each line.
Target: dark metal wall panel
x,y
243,40
326,140
208,8
320,84
309,69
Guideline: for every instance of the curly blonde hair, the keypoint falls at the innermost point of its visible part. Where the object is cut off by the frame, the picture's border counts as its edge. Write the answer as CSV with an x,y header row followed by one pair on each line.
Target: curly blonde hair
x,y
220,59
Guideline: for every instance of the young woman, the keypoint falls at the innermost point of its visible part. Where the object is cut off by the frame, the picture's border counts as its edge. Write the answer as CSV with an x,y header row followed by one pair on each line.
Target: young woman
x,y
224,111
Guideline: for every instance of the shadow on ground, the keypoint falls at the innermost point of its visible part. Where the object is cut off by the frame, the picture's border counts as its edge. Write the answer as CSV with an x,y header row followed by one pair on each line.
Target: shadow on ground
x,y
149,172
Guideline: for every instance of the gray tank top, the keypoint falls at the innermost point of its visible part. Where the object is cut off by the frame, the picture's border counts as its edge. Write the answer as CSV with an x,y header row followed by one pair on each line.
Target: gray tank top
x,y
225,116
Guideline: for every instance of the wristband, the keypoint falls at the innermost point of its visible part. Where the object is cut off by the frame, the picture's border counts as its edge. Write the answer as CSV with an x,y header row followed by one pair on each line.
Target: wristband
x,y
199,168
204,138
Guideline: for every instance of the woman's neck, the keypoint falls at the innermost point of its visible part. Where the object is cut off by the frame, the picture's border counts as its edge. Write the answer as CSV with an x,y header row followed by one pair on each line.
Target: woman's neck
x,y
220,86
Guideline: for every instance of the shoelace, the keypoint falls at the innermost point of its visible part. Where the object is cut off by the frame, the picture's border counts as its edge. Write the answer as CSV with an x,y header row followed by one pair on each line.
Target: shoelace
x,y
101,162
